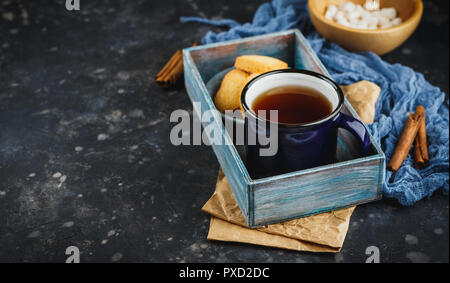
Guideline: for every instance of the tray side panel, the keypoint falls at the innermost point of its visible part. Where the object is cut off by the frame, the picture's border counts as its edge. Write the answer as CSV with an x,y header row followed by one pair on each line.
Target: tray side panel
x,y
211,60
316,192
226,153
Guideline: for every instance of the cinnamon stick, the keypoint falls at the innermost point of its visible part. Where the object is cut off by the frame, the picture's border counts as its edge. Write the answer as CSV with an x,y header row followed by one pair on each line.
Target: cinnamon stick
x,y
421,156
173,60
171,71
418,160
406,139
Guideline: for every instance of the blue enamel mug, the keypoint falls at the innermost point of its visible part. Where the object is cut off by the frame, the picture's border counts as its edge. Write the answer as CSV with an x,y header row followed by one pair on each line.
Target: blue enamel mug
x,y
298,146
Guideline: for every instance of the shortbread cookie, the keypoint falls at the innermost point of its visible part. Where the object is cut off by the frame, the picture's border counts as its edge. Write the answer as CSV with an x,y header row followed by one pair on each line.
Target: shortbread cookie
x,y
249,78
259,64
228,96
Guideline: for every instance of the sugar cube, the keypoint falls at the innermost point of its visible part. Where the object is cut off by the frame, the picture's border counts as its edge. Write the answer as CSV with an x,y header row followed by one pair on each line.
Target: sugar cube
x,y
363,25
353,14
358,16
354,22
371,21
375,14
330,12
343,22
396,21
365,13
389,13
382,21
339,15
332,8
386,25
347,6
359,8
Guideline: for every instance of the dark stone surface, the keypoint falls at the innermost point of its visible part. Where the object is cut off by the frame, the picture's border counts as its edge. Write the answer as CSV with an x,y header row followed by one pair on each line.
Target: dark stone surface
x,y
68,77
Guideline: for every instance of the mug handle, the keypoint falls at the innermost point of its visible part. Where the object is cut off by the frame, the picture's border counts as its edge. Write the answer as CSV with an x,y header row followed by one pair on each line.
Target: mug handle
x,y
355,127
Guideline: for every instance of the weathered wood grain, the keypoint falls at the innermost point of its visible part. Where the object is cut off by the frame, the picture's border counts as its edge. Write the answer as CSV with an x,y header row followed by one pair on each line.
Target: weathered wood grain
x,y
319,190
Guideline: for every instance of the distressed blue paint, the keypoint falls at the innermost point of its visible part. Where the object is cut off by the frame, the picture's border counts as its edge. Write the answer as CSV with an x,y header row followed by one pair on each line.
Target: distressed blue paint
x,y
319,190
217,57
353,180
299,57
227,155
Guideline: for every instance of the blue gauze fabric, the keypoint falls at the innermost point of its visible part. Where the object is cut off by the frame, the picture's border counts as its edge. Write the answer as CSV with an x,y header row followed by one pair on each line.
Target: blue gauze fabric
x,y
402,91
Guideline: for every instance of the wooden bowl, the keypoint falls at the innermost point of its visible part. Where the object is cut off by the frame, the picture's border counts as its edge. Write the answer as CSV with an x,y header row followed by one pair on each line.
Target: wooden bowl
x,y
379,41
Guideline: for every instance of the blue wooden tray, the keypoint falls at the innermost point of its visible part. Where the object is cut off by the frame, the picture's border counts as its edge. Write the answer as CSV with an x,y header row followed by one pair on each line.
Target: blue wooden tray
x,y
352,180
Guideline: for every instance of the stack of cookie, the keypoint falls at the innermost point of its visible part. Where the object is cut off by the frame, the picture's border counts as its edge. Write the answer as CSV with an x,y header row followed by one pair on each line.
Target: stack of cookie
x,y
228,96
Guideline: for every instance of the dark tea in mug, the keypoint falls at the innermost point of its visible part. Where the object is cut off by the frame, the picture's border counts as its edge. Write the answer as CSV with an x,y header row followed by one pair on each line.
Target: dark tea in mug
x,y
304,131
295,104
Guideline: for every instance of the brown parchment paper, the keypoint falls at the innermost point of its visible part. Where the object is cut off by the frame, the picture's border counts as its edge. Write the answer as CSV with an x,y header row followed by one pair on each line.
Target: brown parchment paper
x,y
323,232
318,233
